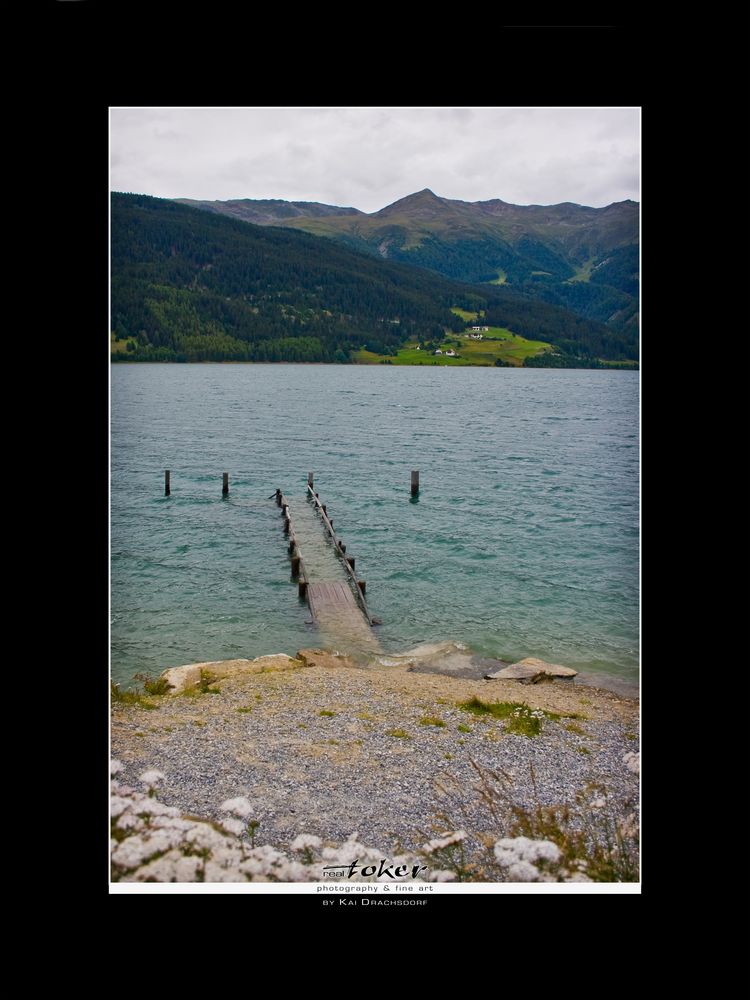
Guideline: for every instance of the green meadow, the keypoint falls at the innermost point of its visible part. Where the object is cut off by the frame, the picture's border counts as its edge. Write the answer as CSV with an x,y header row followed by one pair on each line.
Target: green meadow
x,y
498,343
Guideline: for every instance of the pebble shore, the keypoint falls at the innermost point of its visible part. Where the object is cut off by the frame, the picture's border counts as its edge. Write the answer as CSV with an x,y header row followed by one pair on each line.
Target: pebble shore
x,y
331,750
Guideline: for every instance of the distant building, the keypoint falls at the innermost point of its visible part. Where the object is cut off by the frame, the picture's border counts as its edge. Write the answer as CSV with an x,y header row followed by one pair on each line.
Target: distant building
x,y
480,329
450,354
438,351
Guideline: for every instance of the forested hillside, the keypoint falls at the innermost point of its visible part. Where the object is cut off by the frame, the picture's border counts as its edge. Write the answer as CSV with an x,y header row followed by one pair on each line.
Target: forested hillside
x,y
584,259
188,285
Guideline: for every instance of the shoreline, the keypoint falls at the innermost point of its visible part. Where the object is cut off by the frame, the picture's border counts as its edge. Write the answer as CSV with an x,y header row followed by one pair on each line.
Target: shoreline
x,y
616,367
454,658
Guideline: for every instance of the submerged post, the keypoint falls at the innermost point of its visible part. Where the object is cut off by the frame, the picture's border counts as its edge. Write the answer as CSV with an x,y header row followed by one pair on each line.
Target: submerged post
x,y
415,482
362,585
351,561
309,479
225,483
167,490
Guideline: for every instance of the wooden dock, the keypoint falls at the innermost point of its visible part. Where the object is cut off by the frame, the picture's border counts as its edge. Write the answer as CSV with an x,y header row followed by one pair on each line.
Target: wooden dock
x,y
334,594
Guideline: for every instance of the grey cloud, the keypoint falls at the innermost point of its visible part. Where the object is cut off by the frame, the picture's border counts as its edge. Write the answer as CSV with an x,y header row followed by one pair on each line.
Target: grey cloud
x,y
369,157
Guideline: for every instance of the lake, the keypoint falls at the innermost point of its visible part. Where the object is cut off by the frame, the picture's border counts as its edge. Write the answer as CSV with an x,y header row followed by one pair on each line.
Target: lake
x,y
523,542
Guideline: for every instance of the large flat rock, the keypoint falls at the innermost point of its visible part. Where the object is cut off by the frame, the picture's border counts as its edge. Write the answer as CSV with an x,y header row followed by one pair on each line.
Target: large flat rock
x,y
189,675
529,668
451,659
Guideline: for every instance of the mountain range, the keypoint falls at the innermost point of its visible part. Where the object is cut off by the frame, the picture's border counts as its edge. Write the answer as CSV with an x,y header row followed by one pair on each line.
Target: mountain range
x,y
581,258
193,285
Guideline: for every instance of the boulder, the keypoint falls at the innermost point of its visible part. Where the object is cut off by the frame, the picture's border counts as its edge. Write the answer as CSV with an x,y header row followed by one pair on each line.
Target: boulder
x,y
180,678
530,668
324,658
188,676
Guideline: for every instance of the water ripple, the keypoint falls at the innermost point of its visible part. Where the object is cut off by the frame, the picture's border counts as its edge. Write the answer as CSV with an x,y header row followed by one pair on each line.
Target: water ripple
x,y
523,540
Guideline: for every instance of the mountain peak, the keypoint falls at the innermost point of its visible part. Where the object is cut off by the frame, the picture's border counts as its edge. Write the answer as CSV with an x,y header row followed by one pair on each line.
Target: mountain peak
x,y
421,201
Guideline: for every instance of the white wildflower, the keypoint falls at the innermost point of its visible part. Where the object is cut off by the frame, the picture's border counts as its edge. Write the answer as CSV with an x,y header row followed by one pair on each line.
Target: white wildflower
x,y
216,873
268,855
511,849
238,807
235,826
349,851
441,876
117,805
151,778
131,853
172,823
152,807
204,836
186,869
115,767
229,856
162,869
160,841
293,871
545,850
444,840
522,871
632,762
129,821
599,803
304,842
162,810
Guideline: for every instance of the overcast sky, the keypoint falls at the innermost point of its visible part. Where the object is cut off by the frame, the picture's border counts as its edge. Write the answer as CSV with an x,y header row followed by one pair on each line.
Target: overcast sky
x,y
370,157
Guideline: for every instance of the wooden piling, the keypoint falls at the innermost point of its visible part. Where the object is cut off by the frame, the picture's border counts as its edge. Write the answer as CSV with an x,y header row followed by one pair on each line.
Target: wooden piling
x,y
167,490
225,483
278,498
295,565
309,479
302,588
414,482
351,560
362,584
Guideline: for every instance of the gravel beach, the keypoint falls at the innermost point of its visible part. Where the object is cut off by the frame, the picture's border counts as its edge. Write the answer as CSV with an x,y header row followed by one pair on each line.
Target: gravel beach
x,y
331,750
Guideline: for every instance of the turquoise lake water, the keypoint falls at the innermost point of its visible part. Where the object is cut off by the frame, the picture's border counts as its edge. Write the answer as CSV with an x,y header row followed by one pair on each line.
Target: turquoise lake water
x,y
523,542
